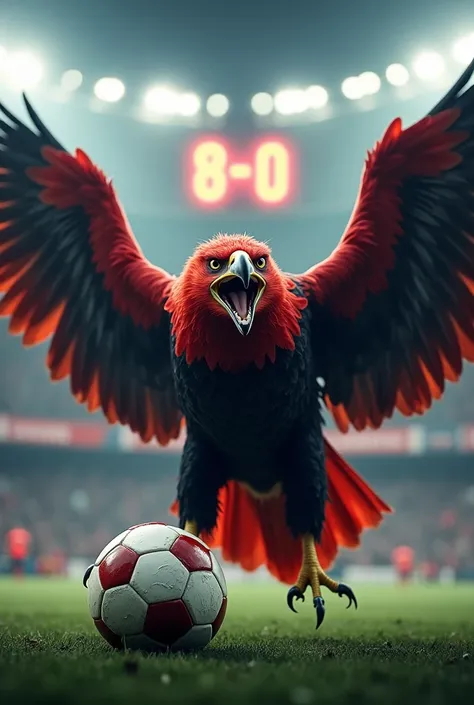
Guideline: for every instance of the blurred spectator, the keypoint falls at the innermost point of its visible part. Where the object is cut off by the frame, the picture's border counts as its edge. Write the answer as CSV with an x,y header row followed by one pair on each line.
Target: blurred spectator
x,y
403,559
18,543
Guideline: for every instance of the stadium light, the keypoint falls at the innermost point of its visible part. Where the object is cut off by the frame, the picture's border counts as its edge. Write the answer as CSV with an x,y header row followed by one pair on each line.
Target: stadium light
x,y
291,101
429,66
110,90
166,101
162,100
369,83
22,69
188,104
217,105
463,49
316,97
71,80
397,75
262,103
351,88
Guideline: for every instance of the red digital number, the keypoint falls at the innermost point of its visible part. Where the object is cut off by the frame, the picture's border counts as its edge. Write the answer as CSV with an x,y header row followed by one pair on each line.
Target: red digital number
x,y
210,180
272,172
266,174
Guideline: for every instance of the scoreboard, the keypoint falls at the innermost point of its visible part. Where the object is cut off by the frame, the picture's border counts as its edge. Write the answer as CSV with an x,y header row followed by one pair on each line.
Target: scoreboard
x,y
175,172
217,172
247,170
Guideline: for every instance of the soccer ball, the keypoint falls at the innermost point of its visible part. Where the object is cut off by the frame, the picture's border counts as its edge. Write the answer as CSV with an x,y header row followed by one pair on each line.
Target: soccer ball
x,y
156,587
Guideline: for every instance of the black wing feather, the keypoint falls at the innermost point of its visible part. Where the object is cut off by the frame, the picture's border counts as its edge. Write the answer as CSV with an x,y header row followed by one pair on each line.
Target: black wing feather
x,y
128,363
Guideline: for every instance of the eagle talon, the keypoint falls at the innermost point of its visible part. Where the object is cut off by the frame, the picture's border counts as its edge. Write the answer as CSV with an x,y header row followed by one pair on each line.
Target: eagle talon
x,y
87,575
293,593
318,603
345,590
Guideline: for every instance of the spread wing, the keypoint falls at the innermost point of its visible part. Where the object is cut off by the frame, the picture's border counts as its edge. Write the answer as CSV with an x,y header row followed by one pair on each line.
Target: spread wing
x,y
71,268
393,306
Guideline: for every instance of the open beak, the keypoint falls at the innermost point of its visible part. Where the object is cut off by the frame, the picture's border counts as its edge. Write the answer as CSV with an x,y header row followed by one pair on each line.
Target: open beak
x,y
239,289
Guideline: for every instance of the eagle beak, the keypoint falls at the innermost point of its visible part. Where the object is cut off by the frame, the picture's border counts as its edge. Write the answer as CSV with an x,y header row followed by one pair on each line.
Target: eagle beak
x,y
239,289
241,266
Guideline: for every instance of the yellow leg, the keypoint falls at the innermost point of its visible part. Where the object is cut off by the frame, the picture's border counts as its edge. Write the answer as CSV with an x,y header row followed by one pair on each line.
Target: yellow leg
x,y
191,527
313,575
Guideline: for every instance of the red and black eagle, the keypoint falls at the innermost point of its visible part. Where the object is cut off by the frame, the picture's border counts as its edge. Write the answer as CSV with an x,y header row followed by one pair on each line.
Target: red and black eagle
x,y
242,353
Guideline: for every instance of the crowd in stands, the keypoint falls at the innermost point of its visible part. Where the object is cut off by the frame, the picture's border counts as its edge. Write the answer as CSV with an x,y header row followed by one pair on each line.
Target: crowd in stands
x,y
76,510
435,518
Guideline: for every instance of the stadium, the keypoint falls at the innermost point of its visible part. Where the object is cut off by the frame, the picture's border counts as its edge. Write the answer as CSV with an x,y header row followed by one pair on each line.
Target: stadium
x,y
236,119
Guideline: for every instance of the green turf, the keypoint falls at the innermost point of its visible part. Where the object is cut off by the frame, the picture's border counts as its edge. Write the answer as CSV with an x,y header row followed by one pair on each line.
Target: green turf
x,y
403,645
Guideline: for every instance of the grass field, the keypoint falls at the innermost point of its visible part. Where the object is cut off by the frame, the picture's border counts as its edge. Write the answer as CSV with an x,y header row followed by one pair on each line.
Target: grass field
x,y
404,644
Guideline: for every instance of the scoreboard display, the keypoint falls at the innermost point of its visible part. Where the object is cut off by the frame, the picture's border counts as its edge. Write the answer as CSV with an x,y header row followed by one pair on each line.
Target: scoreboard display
x,y
219,173
176,172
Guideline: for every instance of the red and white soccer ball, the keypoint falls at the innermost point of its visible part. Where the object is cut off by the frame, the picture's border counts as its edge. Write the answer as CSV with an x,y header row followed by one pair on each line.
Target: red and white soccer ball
x,y
155,587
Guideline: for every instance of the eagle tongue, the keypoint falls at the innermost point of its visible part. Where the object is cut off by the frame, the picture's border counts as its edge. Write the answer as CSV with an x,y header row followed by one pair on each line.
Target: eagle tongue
x,y
240,302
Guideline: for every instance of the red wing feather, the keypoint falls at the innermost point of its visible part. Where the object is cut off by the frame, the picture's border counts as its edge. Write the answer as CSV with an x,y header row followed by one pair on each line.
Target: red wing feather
x,y
394,303
70,268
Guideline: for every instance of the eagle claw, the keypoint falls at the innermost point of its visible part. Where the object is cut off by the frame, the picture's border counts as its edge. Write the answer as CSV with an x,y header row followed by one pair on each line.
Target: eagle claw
x,y
347,591
87,575
293,593
318,603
